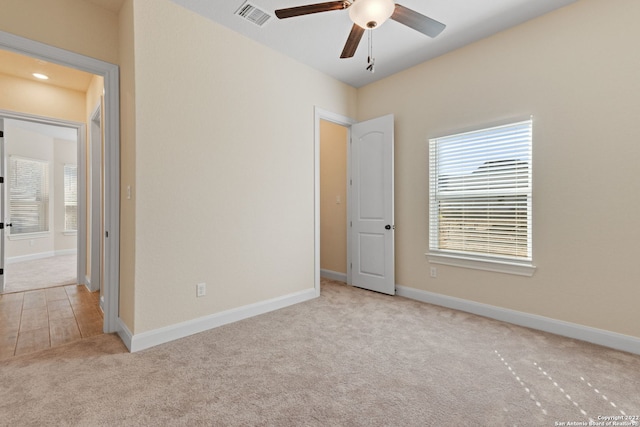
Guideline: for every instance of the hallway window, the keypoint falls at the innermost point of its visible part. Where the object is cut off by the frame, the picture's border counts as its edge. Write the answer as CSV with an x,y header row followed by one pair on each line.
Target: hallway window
x,y
70,197
28,195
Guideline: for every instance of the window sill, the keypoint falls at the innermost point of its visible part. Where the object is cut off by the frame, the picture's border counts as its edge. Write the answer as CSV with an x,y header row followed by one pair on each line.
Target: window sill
x,y
70,233
477,263
27,236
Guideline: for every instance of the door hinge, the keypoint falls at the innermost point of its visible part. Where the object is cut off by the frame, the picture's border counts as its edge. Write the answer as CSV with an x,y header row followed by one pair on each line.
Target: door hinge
x,y
1,179
1,134
1,225
106,234
350,223
1,271
350,182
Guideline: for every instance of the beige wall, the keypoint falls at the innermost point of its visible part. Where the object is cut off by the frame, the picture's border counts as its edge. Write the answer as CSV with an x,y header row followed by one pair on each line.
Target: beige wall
x,y
333,185
224,166
64,153
93,98
582,88
75,25
127,165
26,96
241,163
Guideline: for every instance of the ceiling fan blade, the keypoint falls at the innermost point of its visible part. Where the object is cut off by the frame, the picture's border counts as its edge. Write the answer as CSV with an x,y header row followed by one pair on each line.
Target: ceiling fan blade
x,y
352,41
417,21
311,8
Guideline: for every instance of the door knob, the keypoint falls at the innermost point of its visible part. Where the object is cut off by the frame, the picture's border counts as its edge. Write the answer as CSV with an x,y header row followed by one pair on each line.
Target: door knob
x,y
387,227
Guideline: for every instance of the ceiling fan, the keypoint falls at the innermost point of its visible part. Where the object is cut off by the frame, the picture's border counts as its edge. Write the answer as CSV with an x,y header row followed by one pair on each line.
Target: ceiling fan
x,y
368,14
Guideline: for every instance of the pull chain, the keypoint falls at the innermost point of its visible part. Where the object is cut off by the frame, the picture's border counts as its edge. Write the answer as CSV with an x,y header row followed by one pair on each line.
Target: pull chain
x,y
371,61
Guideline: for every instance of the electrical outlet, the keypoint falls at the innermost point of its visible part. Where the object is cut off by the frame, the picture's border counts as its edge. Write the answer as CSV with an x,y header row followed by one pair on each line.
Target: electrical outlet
x,y
434,272
201,289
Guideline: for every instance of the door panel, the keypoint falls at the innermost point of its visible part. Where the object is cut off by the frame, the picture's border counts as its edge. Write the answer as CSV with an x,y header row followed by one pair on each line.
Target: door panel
x,y
371,254
371,176
372,230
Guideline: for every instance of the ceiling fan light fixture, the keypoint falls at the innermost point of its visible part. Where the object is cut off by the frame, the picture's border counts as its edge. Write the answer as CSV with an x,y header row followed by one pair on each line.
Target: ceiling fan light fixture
x,y
370,14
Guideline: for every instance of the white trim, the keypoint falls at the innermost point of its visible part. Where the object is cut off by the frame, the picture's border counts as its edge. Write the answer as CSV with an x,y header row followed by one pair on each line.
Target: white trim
x,y
70,232
29,236
169,333
495,265
320,114
81,236
124,333
333,275
40,255
30,257
110,72
94,185
3,203
559,327
63,252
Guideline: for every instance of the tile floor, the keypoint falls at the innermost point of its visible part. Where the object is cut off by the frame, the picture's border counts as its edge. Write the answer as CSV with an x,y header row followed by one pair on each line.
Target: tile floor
x,y
36,320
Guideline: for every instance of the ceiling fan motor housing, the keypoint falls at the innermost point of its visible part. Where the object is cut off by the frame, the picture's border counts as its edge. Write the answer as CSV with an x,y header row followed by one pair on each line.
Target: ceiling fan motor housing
x,y
370,14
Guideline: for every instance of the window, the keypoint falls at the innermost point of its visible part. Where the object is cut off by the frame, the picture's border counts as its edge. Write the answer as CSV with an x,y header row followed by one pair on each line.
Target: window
x,y
480,199
28,195
70,197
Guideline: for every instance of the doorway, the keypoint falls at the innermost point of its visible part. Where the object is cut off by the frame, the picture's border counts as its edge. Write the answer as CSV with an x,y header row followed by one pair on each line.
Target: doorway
x,y
370,201
337,126
111,158
334,201
40,206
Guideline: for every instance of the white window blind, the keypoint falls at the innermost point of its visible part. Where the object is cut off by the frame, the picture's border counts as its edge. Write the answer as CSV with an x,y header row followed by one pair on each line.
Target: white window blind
x,y
70,197
480,193
28,195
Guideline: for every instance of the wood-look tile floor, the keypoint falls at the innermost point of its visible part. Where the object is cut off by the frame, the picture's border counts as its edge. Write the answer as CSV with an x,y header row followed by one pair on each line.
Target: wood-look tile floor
x,y
36,320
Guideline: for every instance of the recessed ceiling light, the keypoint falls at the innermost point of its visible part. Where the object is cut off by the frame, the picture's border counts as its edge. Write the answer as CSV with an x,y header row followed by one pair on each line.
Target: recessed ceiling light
x,y
40,76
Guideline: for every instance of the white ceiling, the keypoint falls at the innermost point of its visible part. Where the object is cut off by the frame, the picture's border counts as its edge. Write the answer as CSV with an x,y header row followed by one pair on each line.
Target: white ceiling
x,y
317,40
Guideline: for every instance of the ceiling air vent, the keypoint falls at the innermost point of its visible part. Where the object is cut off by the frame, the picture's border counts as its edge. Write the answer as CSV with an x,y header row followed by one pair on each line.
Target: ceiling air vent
x,y
253,14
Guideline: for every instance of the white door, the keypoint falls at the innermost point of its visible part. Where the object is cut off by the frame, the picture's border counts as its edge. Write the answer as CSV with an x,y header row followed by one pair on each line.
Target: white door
x,y
372,227
2,184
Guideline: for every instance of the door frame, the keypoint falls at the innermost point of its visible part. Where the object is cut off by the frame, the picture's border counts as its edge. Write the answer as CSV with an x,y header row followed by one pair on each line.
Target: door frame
x,y
80,161
94,166
320,114
110,72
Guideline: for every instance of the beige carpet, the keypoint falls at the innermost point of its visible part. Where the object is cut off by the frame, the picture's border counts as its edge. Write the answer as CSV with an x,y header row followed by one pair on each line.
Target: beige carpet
x,y
40,273
348,358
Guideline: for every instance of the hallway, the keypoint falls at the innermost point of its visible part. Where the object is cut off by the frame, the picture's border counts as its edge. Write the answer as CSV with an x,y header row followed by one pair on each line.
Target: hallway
x,y
36,320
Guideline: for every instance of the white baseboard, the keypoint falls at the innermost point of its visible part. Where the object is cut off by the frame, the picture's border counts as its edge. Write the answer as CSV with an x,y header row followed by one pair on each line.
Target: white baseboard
x,y
124,333
66,252
30,257
40,255
333,275
155,337
533,321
